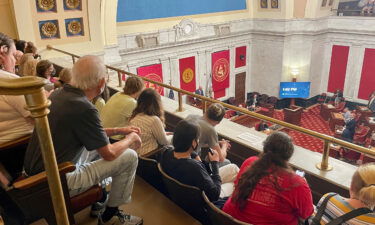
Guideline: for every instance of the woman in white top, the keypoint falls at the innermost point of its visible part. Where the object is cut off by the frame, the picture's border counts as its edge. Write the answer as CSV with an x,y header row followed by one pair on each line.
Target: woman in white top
x,y
15,120
149,117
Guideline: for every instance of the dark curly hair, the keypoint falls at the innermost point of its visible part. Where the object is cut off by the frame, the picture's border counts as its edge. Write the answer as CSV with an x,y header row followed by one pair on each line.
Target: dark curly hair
x,y
277,150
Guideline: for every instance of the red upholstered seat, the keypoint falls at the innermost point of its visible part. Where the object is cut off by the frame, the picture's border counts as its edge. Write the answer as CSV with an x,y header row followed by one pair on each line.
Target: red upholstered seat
x,y
361,135
229,114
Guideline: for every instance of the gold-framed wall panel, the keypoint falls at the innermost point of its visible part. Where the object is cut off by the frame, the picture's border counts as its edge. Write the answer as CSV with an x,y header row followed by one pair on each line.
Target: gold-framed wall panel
x,y
60,16
269,9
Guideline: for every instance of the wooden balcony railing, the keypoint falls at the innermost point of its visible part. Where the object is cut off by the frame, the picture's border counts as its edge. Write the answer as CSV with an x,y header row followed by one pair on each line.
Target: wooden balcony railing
x,y
323,165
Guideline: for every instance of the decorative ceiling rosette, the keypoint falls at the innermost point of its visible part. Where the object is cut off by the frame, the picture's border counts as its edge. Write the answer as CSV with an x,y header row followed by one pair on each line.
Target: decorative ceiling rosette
x,y
46,5
49,29
74,27
72,4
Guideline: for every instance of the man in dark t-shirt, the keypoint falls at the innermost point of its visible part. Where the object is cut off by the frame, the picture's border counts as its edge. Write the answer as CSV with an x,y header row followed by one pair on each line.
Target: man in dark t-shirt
x,y
184,166
76,127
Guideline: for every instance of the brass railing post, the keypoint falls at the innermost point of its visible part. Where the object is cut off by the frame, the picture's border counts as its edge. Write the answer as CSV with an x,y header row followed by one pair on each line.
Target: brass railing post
x,y
325,156
37,103
180,105
204,109
119,78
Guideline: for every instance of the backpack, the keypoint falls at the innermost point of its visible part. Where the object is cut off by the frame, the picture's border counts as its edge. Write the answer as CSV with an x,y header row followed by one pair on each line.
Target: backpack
x,y
339,220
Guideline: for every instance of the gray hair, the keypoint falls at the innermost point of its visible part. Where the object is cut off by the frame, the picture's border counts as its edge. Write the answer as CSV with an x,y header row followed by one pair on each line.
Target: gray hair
x,y
87,72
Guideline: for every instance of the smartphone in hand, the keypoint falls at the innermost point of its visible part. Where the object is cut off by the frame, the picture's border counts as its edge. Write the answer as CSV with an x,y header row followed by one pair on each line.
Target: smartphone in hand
x,y
210,151
300,173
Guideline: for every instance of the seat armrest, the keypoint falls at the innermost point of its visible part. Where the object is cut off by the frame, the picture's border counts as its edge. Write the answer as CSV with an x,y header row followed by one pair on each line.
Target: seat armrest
x,y
28,182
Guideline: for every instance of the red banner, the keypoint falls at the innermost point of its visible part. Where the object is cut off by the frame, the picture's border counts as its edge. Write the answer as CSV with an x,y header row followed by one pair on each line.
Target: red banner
x,y
337,73
220,70
153,72
366,86
219,94
187,74
240,56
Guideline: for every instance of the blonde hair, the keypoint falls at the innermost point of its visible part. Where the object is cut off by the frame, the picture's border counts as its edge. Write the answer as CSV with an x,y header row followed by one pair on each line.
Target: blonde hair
x,y
363,184
27,65
133,85
65,75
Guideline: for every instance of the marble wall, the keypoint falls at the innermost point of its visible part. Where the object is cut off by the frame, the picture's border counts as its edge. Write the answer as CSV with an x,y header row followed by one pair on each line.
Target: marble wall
x,y
275,47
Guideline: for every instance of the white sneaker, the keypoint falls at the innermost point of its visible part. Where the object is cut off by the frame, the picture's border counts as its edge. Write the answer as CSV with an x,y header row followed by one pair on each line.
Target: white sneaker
x,y
120,218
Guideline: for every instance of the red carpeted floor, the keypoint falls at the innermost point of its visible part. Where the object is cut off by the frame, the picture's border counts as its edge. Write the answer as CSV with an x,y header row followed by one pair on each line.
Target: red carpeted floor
x,y
310,120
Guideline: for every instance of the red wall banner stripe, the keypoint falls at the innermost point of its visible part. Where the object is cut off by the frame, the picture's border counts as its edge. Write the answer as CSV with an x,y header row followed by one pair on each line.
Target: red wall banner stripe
x,y
337,73
367,84
240,56
187,74
220,70
153,72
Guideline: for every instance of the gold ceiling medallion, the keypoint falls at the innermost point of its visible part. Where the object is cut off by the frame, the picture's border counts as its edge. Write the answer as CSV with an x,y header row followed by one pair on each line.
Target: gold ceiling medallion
x,y
72,4
46,4
49,29
274,4
74,27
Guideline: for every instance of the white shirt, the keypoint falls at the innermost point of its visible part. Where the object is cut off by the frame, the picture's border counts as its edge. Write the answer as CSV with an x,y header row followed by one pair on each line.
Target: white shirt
x,y
13,123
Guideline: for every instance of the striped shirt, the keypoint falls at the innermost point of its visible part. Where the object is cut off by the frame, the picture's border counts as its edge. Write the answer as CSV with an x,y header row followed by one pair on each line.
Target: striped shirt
x,y
337,206
152,132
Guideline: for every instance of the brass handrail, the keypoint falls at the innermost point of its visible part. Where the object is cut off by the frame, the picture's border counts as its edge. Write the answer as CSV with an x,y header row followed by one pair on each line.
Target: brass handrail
x,y
37,104
327,139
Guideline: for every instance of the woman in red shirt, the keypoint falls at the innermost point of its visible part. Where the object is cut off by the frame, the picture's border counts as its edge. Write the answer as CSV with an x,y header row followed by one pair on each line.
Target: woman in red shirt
x,y
267,190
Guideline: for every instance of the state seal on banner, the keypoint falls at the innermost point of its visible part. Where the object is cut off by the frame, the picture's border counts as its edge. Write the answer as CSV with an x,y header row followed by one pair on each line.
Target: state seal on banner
x,y
220,70
155,77
188,75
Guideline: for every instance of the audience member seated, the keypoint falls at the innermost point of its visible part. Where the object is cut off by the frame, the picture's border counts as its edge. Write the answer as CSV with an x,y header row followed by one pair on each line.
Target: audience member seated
x,y
346,114
183,163
337,98
120,106
20,45
362,195
349,129
339,107
199,91
149,117
27,66
15,119
76,127
31,49
267,190
65,76
252,103
100,100
262,126
209,137
45,69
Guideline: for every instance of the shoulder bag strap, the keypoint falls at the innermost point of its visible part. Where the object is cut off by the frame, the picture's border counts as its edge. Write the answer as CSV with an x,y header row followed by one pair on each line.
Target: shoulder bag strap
x,y
322,207
350,215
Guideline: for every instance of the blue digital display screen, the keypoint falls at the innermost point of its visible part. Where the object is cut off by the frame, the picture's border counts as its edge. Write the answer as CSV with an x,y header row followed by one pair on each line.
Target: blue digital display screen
x,y
294,89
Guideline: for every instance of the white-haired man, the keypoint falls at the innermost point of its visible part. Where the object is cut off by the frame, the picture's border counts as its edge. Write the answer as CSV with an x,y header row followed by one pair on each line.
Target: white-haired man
x,y
76,127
